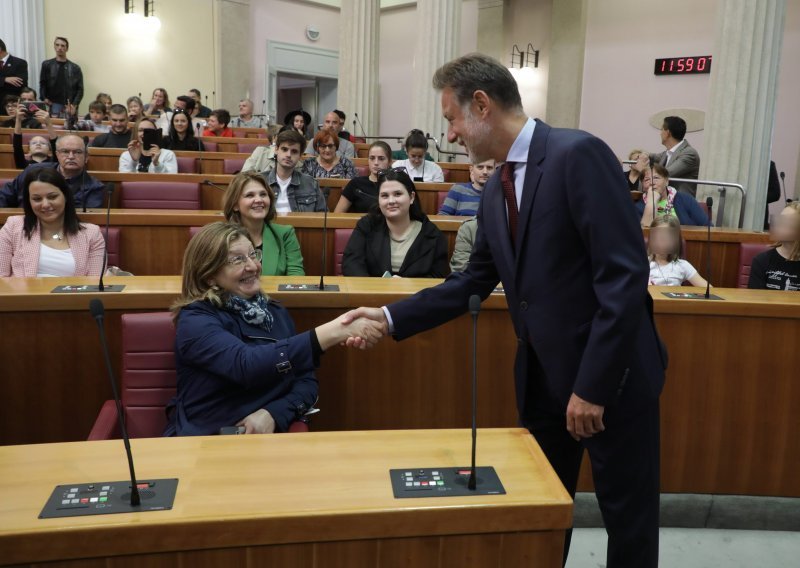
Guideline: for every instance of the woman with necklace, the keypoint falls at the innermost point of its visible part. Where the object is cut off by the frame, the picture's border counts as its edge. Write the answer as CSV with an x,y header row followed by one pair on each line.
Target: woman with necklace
x,y
49,239
396,238
327,163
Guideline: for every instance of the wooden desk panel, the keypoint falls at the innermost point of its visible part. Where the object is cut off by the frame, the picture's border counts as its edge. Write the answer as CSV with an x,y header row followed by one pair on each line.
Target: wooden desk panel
x,y
729,407
288,496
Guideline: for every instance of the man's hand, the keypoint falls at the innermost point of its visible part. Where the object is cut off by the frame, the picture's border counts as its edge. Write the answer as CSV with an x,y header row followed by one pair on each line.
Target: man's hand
x,y
15,81
584,419
374,314
642,162
260,422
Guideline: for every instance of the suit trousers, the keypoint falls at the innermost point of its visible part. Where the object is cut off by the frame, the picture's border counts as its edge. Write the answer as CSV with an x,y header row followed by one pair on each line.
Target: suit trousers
x,y
625,469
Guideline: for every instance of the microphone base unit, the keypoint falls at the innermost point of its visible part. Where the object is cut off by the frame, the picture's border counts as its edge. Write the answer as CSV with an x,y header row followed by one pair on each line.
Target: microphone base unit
x,y
308,288
87,289
109,497
691,296
425,482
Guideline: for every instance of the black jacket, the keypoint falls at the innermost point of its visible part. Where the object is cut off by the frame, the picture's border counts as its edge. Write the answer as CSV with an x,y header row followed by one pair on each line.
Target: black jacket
x,y
14,67
368,252
74,78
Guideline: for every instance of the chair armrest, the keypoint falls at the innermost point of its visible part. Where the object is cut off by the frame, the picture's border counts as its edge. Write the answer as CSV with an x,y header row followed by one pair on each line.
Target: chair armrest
x,y
298,426
106,425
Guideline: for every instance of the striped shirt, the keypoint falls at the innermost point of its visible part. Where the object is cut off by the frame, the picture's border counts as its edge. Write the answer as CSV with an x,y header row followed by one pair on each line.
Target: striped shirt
x,y
462,199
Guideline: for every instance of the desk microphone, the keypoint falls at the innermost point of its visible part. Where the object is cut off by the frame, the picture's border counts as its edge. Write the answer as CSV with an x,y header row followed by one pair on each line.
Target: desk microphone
x,y
363,132
783,185
652,188
709,205
214,185
474,310
200,145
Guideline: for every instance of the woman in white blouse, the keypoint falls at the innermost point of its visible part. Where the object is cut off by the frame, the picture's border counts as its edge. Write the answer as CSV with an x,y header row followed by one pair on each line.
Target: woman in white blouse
x,y
153,159
416,166
49,239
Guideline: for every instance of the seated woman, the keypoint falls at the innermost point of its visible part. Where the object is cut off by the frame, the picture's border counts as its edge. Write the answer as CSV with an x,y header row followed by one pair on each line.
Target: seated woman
x,y
634,173
396,238
463,198
158,103
263,157
327,163
361,193
239,360
667,200
49,239
779,267
153,159
667,268
297,120
250,202
418,168
135,109
39,149
181,134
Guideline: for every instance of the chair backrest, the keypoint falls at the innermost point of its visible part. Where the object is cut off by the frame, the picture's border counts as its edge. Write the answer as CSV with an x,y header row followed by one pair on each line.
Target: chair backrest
x,y
248,147
26,136
193,231
187,165
440,197
362,171
160,195
748,251
232,165
446,173
340,238
209,146
112,245
148,371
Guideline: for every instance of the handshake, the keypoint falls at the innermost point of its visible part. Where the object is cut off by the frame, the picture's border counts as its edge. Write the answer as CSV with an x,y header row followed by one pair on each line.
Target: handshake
x,y
360,328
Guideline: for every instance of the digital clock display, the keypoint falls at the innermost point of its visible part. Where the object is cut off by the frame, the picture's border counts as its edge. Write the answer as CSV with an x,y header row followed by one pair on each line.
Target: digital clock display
x,y
683,65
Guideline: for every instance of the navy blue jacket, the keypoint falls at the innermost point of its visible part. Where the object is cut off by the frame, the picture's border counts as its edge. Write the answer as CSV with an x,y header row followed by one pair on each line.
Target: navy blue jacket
x,y
228,369
576,287
85,188
686,207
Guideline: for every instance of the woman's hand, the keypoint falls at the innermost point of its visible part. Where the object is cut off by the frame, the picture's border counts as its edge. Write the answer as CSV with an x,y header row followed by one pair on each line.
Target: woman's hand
x,y
367,331
153,152
259,422
135,150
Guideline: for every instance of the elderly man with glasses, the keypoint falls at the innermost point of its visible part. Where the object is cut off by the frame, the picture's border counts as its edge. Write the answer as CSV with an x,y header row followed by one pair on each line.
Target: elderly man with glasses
x,y
72,159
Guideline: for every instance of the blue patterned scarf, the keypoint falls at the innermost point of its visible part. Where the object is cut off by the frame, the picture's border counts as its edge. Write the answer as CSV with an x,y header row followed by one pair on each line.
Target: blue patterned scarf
x,y
254,311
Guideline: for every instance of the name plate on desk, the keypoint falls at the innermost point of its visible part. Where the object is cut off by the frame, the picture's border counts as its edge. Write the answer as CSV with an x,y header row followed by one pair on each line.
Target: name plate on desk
x,y
690,296
87,289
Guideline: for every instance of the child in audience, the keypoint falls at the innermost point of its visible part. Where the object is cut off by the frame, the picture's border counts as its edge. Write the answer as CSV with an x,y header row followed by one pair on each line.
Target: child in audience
x,y
779,267
667,268
97,114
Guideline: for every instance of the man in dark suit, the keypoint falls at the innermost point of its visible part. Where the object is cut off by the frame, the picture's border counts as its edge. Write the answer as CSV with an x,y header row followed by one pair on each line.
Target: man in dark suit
x,y
680,158
13,73
556,225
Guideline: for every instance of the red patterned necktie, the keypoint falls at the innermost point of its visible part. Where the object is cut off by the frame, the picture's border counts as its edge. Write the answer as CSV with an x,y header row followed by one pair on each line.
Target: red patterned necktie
x,y
510,193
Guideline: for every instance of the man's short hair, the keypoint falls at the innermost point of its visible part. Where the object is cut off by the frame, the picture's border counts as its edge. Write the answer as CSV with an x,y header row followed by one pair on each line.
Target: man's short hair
x,y
8,99
2,45
195,91
291,137
97,106
342,116
65,40
188,101
61,139
28,90
478,72
118,109
676,126
223,116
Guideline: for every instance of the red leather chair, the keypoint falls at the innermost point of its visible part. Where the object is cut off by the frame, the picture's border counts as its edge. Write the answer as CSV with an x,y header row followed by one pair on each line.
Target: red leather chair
x,y
357,139
232,165
159,195
187,165
209,146
446,173
248,147
193,231
340,239
747,251
112,245
440,197
362,171
148,379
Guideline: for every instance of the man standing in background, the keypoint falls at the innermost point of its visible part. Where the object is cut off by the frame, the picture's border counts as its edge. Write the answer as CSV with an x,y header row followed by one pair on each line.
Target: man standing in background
x,y
61,81
13,73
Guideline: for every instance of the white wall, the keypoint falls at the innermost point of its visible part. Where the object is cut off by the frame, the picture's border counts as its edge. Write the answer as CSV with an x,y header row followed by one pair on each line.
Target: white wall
x,y
620,91
786,136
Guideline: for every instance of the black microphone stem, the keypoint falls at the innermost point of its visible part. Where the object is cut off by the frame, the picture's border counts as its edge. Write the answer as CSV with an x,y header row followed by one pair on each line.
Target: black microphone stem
x,y
709,204
324,249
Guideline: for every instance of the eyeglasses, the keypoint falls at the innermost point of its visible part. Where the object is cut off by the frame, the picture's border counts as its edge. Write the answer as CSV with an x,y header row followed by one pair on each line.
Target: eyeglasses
x,y
388,172
65,152
326,146
241,259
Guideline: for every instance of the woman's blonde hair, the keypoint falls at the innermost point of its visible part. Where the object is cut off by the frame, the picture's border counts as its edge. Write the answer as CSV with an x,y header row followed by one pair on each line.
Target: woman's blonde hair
x,y
234,193
670,222
795,252
135,129
205,256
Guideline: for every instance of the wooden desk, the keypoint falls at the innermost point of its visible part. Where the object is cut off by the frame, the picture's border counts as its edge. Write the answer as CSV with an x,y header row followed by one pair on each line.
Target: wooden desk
x,y
289,500
729,407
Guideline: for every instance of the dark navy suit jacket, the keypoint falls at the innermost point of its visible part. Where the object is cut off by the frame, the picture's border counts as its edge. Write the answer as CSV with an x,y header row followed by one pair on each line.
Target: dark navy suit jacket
x,y
577,285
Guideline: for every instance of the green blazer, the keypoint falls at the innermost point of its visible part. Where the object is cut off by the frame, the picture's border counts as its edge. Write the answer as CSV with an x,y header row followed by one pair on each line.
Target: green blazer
x,y
282,256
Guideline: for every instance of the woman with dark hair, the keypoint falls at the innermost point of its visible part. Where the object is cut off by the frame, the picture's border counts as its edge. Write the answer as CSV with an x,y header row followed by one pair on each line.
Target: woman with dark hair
x,y
250,202
396,238
327,163
181,134
418,168
298,120
361,193
240,361
49,239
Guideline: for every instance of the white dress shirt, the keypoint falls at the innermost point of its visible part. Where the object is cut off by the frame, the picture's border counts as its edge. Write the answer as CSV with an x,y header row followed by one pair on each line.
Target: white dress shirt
x,y
672,151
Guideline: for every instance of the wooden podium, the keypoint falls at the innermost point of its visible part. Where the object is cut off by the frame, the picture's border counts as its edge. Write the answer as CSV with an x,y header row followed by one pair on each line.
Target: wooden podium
x,y
300,500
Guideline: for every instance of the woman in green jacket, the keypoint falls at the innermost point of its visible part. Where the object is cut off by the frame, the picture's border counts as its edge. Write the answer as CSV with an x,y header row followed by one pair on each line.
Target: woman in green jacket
x,y
250,202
